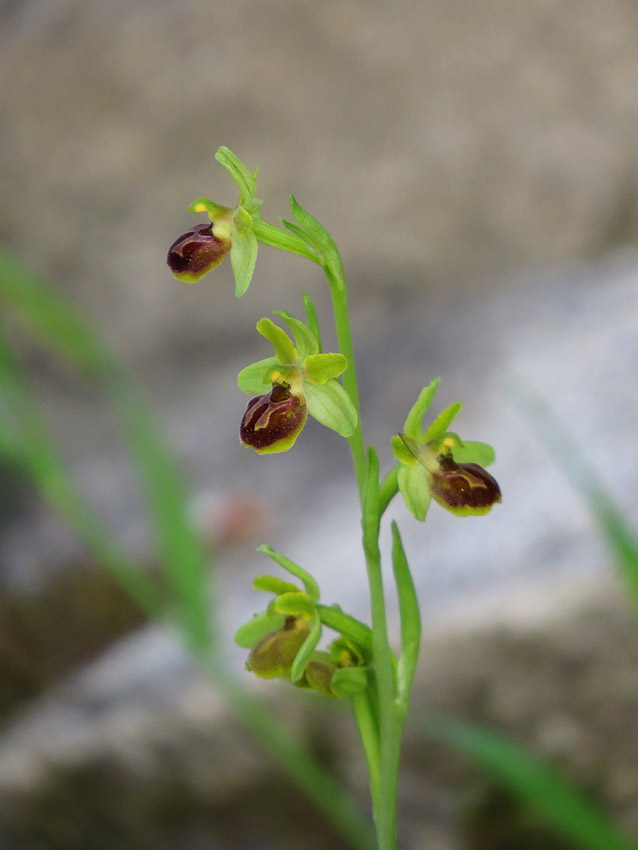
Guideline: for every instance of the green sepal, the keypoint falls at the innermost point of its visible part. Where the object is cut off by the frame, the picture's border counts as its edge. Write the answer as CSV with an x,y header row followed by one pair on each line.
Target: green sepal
x,y
442,421
351,629
311,319
348,681
250,633
255,379
274,584
319,368
294,603
310,585
285,351
413,484
206,205
419,408
402,452
246,182
473,451
307,648
243,256
330,404
410,618
304,337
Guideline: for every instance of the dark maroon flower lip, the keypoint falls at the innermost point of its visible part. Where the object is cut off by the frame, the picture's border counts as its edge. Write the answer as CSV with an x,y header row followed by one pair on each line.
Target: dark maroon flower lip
x,y
273,421
461,486
196,252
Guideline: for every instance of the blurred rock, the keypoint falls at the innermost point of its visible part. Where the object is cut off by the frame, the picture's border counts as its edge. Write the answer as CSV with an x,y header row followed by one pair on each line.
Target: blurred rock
x,y
438,141
138,741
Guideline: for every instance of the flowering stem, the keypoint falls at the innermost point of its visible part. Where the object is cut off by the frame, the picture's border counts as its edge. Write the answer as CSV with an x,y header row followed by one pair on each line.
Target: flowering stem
x,y
333,269
390,724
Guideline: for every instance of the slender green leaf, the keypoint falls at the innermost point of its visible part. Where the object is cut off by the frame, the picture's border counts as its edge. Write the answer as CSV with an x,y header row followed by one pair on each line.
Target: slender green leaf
x,y
571,814
410,619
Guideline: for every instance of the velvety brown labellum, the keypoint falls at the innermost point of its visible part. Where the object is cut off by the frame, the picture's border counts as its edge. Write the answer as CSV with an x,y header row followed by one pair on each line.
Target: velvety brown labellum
x,y
464,485
196,252
273,419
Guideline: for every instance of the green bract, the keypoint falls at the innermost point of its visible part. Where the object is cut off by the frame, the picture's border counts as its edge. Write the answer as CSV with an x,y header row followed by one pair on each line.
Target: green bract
x,y
307,374
436,463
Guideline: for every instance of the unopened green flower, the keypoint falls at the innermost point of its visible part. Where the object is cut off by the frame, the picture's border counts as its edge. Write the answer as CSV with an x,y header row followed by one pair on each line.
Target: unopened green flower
x,y
273,656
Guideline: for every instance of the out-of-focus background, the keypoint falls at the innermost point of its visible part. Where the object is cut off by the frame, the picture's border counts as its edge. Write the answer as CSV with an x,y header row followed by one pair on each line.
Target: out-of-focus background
x,y
476,164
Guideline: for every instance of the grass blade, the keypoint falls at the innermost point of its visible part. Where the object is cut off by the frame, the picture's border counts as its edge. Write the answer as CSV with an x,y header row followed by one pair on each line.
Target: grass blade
x,y
541,787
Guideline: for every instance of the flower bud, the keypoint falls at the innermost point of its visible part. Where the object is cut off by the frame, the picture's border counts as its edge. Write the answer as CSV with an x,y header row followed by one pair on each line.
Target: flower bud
x,y
319,677
463,488
272,422
197,252
273,655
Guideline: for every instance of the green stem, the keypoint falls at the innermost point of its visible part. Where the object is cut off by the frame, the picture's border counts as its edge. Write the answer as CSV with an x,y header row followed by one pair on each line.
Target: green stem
x,y
390,724
277,237
338,289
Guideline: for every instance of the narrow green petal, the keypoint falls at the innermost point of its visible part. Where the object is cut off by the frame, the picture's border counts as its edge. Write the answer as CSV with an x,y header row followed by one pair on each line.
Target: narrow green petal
x,y
417,412
304,337
294,602
285,351
473,451
319,368
250,633
243,256
442,421
274,584
311,318
255,379
330,404
413,484
307,648
310,585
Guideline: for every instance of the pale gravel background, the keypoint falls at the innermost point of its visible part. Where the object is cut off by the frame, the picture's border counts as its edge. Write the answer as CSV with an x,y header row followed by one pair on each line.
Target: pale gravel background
x,y
477,165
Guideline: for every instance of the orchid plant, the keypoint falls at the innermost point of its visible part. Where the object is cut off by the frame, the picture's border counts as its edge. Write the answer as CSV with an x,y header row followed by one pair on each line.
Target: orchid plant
x,y
432,463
